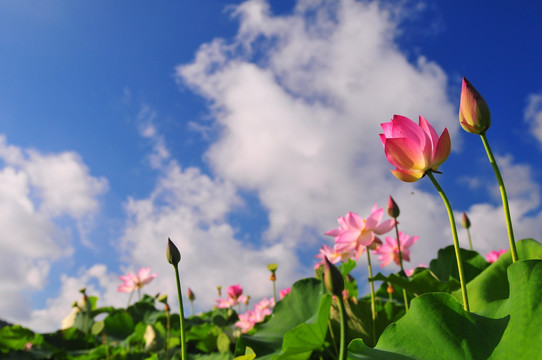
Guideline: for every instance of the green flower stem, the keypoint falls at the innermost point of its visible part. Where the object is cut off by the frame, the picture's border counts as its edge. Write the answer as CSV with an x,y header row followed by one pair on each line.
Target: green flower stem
x,y
342,318
181,312
503,196
373,305
470,241
274,291
456,240
405,297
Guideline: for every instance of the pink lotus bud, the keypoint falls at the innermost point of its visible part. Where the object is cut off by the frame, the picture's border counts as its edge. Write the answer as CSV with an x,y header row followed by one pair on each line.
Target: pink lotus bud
x,y
465,222
474,115
191,295
393,209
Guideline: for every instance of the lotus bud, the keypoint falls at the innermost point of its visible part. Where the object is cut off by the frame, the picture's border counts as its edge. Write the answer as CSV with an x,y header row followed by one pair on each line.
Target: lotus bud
x,y
465,222
390,289
474,115
191,295
219,289
173,255
333,279
393,209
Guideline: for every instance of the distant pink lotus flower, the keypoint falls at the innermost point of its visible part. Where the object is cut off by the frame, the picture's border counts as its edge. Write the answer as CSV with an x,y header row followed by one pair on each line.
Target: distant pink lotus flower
x,y
494,255
251,317
235,297
411,271
413,149
355,233
332,255
284,292
389,251
133,282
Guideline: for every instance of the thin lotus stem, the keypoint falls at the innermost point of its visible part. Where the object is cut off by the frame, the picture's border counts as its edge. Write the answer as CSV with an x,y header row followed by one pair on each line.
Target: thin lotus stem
x,y
373,306
470,241
192,308
168,329
405,297
503,196
130,298
274,291
181,313
456,240
342,352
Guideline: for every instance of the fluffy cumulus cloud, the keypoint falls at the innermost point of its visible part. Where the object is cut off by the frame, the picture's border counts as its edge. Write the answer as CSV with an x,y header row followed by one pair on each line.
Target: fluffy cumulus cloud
x,y
191,208
35,189
298,101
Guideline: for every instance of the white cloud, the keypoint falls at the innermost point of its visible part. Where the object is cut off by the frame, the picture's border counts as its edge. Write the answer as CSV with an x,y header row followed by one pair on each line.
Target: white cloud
x,y
299,121
191,208
35,189
533,115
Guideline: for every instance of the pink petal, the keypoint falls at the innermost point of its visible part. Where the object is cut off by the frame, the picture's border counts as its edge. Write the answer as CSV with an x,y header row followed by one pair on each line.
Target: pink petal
x,y
403,127
443,149
348,237
408,176
354,221
405,154
373,219
430,131
384,227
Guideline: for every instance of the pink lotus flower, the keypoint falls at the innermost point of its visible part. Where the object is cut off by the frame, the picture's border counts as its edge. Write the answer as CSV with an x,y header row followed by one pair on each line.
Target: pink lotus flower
x,y
411,271
413,149
284,292
332,255
251,317
390,251
133,282
235,297
494,255
355,233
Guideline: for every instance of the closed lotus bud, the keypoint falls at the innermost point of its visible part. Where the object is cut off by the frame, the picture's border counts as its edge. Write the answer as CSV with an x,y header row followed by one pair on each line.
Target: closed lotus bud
x,y
474,115
393,209
173,255
191,295
219,289
333,279
465,222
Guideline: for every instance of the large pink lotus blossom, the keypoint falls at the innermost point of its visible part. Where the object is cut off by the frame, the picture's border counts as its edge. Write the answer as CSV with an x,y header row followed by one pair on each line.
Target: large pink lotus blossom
x,y
332,255
251,317
413,148
133,282
355,233
389,251
235,297
494,255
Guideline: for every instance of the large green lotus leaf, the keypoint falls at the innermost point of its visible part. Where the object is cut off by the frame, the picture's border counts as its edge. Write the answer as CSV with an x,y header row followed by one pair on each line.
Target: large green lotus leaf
x,y
119,324
435,327
522,338
445,265
299,306
492,283
421,283
302,340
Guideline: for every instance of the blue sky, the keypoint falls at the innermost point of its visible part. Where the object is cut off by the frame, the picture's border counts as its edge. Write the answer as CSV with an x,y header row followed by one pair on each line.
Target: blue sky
x,y
242,130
